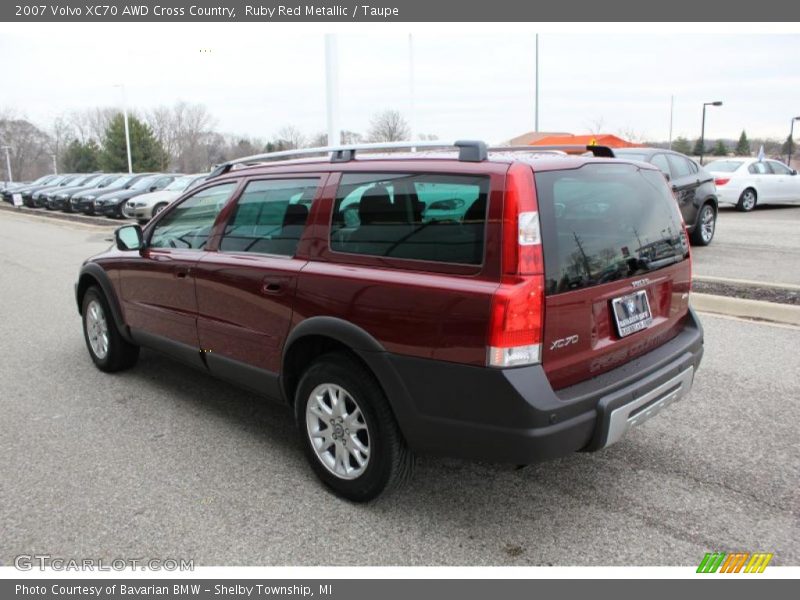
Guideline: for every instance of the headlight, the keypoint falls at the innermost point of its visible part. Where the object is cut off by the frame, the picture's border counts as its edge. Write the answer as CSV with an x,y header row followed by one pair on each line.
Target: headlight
x,y
89,198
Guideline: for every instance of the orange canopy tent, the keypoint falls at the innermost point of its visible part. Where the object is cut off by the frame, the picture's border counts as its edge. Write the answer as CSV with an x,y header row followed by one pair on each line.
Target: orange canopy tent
x,y
599,139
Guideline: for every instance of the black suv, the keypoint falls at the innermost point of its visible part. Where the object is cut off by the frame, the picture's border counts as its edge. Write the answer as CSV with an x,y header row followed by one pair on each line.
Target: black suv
x,y
691,184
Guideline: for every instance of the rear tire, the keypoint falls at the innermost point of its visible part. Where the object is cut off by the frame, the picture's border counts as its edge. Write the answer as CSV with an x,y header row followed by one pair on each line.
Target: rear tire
x,y
705,227
348,432
747,201
109,351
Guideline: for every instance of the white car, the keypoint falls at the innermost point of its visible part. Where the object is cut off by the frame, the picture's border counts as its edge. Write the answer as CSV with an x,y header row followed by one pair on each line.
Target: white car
x,y
145,207
745,182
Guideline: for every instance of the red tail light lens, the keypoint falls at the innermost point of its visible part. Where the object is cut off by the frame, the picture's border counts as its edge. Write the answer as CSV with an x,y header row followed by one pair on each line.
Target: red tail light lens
x,y
515,327
721,181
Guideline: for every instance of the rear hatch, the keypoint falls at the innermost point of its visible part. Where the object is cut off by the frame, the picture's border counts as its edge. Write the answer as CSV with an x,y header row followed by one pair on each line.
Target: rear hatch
x,y
617,268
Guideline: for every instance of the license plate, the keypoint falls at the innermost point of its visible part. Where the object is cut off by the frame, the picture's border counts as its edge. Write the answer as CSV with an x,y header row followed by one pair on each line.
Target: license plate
x,y
632,313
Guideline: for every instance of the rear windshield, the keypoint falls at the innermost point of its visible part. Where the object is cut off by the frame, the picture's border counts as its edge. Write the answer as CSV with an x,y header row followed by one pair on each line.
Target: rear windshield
x,y
724,166
602,223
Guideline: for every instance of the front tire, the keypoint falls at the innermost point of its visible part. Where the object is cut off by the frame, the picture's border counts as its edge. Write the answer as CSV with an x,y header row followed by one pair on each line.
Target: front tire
x,y
109,351
158,208
705,227
747,201
348,432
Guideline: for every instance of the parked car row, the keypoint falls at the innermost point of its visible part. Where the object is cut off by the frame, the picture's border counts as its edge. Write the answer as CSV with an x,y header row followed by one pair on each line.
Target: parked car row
x,y
114,195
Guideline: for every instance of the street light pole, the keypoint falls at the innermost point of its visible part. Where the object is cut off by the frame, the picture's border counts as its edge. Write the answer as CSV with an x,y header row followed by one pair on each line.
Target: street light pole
x,y
8,162
791,143
536,97
127,131
332,89
411,100
55,164
703,127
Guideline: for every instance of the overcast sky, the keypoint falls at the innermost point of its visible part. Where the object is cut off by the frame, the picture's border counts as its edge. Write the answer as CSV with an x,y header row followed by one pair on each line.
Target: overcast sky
x,y
256,78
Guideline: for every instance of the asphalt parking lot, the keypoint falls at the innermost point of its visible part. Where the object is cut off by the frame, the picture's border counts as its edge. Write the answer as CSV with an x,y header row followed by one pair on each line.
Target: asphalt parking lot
x,y
162,461
763,245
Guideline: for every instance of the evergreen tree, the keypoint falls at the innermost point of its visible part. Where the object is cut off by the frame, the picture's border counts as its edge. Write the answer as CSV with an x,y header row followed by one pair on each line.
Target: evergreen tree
x,y
699,147
788,146
81,158
681,144
147,154
743,147
720,149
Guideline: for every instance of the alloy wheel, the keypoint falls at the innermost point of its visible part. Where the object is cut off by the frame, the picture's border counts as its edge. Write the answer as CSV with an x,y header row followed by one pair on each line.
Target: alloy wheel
x,y
97,329
337,431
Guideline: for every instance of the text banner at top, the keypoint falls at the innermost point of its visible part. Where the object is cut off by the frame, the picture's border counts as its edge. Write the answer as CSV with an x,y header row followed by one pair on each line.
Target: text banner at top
x,y
399,11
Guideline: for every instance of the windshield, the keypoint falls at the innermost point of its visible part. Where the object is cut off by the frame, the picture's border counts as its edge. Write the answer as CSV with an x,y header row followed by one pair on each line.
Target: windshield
x,y
632,155
144,182
92,180
606,222
108,180
123,180
180,184
725,166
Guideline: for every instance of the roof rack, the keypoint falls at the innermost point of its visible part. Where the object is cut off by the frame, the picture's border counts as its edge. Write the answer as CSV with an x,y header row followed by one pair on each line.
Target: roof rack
x,y
468,151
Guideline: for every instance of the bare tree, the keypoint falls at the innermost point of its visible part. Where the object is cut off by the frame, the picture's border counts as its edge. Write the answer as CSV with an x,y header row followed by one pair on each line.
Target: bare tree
x,y
29,146
289,138
632,135
388,126
596,125
183,130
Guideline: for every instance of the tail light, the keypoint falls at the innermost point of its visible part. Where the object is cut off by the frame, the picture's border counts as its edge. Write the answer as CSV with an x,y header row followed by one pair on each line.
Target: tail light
x,y
721,180
517,317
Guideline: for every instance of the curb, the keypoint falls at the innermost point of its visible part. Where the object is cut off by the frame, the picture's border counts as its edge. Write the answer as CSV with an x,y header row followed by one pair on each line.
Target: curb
x,y
749,309
745,282
62,216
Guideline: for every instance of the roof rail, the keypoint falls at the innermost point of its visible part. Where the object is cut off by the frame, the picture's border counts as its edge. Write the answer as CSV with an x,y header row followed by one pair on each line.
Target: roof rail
x,y
468,151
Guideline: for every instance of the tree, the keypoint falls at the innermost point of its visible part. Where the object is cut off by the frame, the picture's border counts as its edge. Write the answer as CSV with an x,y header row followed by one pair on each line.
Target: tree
x,y
182,130
29,152
720,149
147,154
743,147
681,144
388,126
788,146
81,157
699,147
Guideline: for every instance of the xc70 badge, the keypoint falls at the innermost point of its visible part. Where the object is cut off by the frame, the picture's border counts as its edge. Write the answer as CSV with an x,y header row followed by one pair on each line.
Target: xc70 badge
x,y
563,342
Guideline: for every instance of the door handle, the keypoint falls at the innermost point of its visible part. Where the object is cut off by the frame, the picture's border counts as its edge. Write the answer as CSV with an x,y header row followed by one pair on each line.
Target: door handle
x,y
271,287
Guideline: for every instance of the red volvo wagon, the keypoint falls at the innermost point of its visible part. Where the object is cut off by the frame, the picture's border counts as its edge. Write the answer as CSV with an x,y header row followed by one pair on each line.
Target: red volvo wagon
x,y
510,305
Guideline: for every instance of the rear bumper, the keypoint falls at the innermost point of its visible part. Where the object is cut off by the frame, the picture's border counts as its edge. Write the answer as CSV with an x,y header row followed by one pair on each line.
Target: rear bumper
x,y
514,415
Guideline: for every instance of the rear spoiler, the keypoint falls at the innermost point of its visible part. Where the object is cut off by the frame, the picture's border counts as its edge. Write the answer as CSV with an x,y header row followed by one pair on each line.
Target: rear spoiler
x,y
598,151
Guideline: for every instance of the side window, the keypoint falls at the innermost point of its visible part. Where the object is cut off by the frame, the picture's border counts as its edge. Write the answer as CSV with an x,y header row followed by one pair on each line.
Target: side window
x,y
189,224
779,168
758,168
660,161
693,166
679,166
417,216
270,216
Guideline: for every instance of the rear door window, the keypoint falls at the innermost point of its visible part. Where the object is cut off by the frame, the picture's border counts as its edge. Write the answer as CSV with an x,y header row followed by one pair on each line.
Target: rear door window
x,y
660,161
270,216
431,217
758,168
603,223
680,166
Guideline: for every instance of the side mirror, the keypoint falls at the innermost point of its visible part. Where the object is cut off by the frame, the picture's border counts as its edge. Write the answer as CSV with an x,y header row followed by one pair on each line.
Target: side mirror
x,y
666,175
129,237
794,171
153,188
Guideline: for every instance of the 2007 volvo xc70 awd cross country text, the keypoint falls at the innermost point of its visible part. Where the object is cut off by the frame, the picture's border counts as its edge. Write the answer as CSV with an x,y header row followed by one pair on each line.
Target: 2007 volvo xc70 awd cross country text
x,y
506,305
